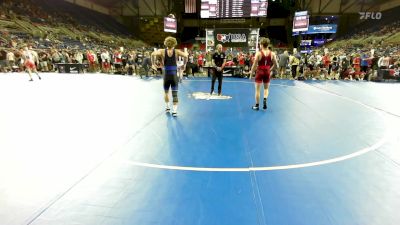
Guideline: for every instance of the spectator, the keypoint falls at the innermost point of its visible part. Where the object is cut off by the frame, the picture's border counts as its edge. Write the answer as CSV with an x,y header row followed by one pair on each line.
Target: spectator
x,y
10,59
3,60
105,61
283,63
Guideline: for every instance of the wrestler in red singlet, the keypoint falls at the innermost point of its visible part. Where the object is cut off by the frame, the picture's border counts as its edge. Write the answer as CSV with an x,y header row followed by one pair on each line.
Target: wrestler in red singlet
x,y
264,62
263,74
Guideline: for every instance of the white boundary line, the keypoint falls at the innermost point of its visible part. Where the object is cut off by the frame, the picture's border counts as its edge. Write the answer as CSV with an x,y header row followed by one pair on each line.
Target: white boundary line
x,y
362,151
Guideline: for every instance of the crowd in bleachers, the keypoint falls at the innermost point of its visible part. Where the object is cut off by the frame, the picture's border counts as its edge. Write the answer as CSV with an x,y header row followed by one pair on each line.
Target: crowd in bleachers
x,y
369,51
322,64
61,14
360,64
370,59
357,64
375,35
62,32
114,60
26,22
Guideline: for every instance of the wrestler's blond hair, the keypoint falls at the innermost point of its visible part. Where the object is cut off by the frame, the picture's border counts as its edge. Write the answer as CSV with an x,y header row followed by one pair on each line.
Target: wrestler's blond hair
x,y
170,42
265,42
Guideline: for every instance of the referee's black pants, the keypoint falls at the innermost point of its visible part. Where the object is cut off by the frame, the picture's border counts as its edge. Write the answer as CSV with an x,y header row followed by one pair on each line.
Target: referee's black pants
x,y
216,74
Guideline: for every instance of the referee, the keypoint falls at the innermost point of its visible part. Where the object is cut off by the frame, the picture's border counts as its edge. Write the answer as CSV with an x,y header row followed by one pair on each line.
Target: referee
x,y
218,61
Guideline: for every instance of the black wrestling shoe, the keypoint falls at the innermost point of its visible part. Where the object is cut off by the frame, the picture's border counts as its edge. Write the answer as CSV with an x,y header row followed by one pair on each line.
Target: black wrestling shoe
x,y
256,107
265,105
174,114
31,80
167,110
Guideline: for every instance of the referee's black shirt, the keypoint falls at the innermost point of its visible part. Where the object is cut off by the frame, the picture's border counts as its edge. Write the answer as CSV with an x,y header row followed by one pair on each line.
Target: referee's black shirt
x,y
219,58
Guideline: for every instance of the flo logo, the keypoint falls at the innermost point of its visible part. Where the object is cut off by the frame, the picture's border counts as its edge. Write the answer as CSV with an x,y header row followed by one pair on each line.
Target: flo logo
x,y
370,15
222,38
234,38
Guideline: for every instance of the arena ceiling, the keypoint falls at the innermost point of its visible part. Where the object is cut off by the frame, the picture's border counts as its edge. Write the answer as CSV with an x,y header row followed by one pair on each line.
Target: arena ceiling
x,y
137,7
159,8
339,7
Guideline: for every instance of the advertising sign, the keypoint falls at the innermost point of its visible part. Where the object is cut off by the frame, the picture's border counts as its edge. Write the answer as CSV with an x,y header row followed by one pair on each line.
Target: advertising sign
x,y
300,21
319,42
231,37
322,29
170,25
305,42
319,29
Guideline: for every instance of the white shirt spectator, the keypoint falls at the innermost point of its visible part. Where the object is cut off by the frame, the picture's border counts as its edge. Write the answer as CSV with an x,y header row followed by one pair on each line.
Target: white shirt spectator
x,y
384,61
179,62
35,56
28,56
10,56
105,57
319,59
79,57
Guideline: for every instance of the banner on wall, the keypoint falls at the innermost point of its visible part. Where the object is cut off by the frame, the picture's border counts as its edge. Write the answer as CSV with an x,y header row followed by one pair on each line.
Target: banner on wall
x,y
319,29
231,37
170,25
305,42
300,21
322,29
210,39
319,42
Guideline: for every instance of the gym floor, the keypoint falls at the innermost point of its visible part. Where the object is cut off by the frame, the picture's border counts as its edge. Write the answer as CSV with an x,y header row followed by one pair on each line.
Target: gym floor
x,y
99,149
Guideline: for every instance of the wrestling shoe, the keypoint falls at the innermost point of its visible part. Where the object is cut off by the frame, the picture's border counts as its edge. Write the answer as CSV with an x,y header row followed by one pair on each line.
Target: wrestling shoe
x,y
256,107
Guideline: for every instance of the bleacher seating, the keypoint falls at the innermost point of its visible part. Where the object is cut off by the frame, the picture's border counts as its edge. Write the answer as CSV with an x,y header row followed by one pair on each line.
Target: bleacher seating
x,y
60,24
389,16
385,30
84,16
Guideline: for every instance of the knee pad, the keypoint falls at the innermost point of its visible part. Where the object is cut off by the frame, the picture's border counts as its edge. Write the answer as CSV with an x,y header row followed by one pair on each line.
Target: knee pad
x,y
175,96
